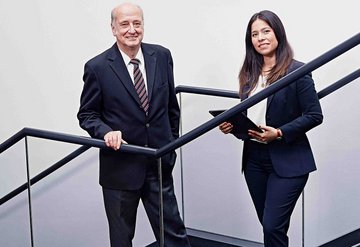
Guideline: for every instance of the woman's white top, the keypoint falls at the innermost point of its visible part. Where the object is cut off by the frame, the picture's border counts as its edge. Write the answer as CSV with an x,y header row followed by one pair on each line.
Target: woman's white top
x,y
257,112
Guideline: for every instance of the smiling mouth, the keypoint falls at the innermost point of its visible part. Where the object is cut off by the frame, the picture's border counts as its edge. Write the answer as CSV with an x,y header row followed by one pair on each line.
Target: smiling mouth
x,y
132,37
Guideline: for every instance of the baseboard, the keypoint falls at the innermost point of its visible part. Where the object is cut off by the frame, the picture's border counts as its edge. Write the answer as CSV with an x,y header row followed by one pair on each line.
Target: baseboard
x,y
351,239
220,240
206,239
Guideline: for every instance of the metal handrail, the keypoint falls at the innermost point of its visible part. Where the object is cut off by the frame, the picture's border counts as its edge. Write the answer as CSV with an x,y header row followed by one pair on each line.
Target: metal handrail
x,y
74,139
207,91
283,82
89,142
184,139
340,83
44,173
234,94
207,126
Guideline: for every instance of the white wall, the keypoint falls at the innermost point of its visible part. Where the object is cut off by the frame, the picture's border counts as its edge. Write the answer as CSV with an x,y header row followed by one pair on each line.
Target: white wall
x,y
44,45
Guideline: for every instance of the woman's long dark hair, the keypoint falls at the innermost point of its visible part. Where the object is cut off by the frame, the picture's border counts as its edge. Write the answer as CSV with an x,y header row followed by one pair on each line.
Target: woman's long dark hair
x,y
253,62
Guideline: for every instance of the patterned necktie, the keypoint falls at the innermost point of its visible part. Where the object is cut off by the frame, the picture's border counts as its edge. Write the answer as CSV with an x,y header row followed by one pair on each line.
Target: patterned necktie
x,y
140,85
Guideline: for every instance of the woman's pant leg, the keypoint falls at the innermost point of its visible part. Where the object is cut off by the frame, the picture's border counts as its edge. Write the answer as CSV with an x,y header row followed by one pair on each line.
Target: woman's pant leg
x,y
281,197
274,197
257,170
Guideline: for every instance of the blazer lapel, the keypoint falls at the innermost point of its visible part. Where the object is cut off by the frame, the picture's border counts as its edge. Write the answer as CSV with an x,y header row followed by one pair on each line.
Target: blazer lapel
x,y
269,99
150,67
117,64
291,68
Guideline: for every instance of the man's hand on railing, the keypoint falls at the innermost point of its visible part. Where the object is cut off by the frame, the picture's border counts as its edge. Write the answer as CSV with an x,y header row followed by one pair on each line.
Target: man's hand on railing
x,y
113,139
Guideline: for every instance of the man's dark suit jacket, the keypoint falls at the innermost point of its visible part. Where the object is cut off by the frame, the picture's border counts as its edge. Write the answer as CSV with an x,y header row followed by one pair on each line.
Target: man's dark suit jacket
x,y
294,109
109,102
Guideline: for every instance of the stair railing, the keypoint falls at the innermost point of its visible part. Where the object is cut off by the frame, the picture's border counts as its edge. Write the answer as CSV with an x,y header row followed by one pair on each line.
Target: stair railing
x,y
200,130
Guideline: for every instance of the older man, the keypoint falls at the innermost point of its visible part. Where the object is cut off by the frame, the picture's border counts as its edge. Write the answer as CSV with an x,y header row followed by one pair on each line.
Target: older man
x,y
128,95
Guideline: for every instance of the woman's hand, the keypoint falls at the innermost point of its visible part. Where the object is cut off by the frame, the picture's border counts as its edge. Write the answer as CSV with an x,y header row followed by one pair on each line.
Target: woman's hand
x,y
269,134
226,127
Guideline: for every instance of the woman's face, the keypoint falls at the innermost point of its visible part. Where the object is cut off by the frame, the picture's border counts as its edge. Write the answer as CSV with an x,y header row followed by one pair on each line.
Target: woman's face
x,y
263,38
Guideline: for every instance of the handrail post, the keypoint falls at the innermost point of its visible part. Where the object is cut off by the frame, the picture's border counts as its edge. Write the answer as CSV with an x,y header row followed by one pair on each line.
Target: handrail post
x,y
29,191
303,218
181,165
161,204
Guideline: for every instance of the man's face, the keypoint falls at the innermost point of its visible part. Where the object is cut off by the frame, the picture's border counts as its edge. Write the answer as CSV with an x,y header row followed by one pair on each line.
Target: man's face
x,y
128,27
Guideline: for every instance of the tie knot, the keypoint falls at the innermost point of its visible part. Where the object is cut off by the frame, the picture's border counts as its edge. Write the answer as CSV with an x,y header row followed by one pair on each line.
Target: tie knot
x,y
135,61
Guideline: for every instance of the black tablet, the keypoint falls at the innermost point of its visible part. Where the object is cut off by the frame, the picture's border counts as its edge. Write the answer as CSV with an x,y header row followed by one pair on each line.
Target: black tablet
x,y
240,122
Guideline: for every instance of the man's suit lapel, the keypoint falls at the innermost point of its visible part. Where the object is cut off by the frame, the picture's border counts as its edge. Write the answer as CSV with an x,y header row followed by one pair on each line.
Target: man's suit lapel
x,y
150,67
117,64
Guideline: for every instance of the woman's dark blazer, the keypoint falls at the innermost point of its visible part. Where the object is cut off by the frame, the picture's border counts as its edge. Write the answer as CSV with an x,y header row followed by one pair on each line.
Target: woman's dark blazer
x,y
294,109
